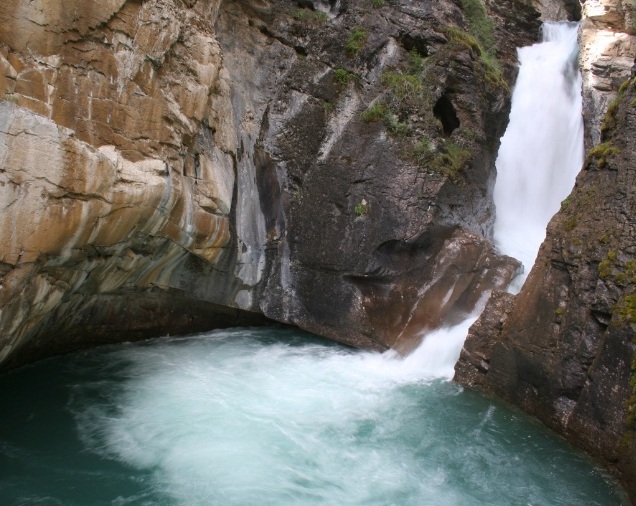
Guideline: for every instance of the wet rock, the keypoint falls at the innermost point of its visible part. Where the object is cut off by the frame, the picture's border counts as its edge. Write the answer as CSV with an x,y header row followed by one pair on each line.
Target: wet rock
x,y
559,10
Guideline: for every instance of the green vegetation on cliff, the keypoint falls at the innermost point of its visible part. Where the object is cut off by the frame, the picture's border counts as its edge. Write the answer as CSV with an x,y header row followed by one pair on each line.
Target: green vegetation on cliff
x,y
356,41
491,68
479,24
343,76
309,15
609,121
601,153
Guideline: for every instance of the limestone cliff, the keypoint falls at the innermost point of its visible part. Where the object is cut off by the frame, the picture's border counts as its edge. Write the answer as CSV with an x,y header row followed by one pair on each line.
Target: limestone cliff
x,y
116,201
173,165
608,47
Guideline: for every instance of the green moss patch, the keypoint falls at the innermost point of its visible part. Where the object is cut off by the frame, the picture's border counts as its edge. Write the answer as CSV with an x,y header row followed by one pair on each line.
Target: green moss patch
x,y
602,152
480,25
309,15
377,111
450,160
362,209
610,120
487,65
343,76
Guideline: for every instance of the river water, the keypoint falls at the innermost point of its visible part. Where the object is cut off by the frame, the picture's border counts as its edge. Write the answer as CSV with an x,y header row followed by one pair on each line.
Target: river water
x,y
276,417
271,417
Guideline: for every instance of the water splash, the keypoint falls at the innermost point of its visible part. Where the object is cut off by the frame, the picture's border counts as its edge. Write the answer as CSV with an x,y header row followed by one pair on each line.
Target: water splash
x,y
268,416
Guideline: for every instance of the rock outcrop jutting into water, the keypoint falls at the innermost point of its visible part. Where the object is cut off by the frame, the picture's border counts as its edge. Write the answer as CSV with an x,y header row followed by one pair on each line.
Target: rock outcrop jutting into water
x,y
564,348
171,165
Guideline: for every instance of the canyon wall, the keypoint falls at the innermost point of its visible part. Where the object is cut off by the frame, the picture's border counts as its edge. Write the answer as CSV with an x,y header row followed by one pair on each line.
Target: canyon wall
x,y
176,165
564,348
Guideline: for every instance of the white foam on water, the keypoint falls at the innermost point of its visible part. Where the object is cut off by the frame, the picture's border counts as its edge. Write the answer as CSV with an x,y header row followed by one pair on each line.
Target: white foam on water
x,y
268,417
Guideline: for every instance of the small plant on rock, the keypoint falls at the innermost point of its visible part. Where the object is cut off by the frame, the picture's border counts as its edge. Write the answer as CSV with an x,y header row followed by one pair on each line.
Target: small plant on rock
x,y
394,125
375,112
450,160
362,208
356,41
10,97
309,15
602,152
343,76
422,149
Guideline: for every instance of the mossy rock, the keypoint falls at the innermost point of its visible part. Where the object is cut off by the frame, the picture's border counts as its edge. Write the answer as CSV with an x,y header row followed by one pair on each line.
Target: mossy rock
x,y
601,153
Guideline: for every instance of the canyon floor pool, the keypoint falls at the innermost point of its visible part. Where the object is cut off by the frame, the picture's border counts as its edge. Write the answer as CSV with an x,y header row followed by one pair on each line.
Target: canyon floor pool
x,y
271,417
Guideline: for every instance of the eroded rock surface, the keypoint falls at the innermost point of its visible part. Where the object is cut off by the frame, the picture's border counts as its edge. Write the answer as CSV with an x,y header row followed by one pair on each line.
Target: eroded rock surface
x,y
608,48
559,10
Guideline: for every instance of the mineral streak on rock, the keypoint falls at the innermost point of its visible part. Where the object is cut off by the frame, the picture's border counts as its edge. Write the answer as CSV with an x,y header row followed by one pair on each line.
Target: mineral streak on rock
x,y
115,187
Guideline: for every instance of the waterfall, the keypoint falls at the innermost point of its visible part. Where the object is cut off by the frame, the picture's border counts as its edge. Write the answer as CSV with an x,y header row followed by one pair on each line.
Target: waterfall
x,y
542,150
540,155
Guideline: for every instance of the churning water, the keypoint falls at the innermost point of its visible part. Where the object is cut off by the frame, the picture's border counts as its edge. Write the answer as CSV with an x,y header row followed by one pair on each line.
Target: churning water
x,y
270,417
542,150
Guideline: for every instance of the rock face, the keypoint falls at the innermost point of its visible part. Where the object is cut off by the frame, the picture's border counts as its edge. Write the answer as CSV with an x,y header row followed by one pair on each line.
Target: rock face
x,y
564,349
174,165
608,47
559,10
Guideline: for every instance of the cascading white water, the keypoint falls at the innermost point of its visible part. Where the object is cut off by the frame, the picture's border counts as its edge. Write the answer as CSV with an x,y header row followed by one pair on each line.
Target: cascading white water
x,y
542,150
540,155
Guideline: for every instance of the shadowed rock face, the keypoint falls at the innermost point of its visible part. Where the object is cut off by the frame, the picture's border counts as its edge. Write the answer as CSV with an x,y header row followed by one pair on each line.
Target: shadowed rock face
x,y
169,166
559,10
564,349
366,240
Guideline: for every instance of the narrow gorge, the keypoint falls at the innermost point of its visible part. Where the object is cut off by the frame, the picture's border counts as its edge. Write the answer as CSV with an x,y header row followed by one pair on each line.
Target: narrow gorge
x,y
169,167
